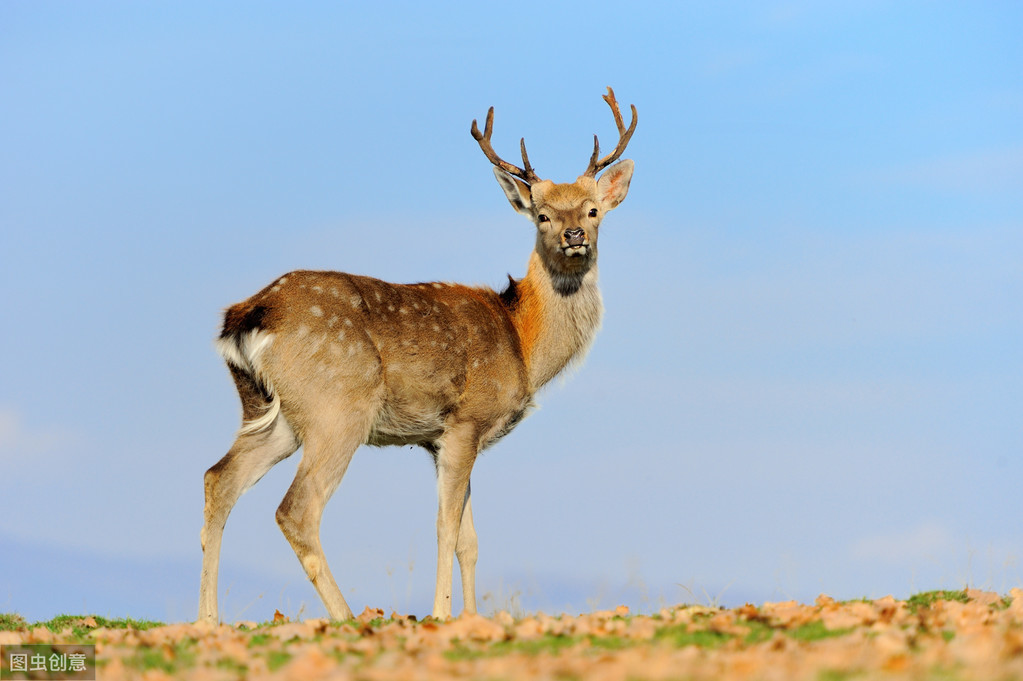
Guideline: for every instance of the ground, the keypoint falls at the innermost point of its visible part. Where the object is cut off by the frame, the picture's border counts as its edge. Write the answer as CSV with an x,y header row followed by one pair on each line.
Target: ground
x,y
949,635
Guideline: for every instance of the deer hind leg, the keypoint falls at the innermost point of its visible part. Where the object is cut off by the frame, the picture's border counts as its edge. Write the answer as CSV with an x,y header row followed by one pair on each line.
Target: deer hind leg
x,y
325,459
248,460
457,454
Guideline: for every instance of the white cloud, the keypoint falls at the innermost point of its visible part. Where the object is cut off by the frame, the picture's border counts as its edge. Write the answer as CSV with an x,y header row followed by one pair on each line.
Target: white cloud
x,y
8,429
976,172
20,445
926,542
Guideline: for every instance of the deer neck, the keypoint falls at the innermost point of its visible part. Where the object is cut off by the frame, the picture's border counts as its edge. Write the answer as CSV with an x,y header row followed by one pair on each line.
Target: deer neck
x,y
556,317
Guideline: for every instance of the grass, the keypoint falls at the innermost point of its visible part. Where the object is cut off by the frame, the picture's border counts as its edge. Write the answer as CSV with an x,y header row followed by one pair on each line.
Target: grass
x,y
10,621
923,600
550,644
815,631
276,659
81,626
166,658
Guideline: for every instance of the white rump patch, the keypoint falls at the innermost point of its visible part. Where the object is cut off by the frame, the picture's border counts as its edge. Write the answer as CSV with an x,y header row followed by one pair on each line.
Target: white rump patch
x,y
245,352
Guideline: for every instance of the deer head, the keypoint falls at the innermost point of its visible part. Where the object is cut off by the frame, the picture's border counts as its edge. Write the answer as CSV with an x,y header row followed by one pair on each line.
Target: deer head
x,y
567,216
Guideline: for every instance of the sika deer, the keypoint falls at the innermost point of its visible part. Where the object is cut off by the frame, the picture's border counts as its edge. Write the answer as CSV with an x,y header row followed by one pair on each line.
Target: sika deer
x,y
329,361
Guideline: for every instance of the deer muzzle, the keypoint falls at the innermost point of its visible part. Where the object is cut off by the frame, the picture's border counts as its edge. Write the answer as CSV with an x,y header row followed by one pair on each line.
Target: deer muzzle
x,y
574,242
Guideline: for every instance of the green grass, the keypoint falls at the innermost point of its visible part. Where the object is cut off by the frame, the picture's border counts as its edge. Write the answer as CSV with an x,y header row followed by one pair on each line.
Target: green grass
x,y
759,632
275,659
924,600
167,658
10,621
815,631
680,636
550,644
80,632
259,639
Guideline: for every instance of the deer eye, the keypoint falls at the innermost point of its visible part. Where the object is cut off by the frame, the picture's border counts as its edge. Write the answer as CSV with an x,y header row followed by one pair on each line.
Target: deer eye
x,y
543,218
593,212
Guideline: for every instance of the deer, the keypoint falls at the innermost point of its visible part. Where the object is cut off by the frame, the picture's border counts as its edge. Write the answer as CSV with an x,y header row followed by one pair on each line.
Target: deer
x,y
329,361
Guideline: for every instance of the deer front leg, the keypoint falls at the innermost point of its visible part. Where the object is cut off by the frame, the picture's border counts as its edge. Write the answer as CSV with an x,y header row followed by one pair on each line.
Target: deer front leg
x,y
467,550
454,464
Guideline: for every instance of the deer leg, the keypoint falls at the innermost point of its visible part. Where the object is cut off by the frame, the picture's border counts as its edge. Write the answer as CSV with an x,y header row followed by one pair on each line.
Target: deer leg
x,y
249,458
454,464
324,462
467,550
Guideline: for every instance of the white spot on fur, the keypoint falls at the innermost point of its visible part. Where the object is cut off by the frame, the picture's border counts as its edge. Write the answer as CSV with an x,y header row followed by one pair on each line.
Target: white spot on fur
x,y
318,289
332,322
437,284
316,310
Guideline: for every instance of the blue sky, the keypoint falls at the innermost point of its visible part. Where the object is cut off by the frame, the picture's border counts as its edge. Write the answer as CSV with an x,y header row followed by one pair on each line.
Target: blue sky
x,y
810,375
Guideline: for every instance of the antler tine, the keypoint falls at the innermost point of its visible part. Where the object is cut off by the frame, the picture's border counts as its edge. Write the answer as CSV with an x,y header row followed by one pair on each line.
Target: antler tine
x,y
624,135
525,163
483,138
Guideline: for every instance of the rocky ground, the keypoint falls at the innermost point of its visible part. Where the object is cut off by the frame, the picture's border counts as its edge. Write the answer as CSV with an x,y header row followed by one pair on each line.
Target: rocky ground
x,y
938,635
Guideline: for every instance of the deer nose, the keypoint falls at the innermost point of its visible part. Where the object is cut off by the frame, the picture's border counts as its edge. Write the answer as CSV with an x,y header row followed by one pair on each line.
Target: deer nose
x,y
574,237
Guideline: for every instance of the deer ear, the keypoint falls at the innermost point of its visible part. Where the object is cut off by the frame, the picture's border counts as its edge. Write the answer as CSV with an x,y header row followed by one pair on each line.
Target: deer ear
x,y
613,185
517,192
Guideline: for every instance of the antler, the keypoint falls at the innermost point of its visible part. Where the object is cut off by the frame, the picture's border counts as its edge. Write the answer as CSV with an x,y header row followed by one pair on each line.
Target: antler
x,y
525,174
623,137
